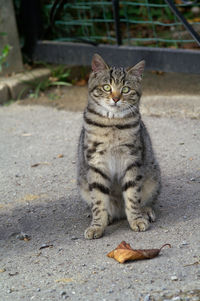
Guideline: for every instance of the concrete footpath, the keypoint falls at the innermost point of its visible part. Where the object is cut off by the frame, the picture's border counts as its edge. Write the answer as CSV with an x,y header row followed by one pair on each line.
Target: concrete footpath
x,y
43,253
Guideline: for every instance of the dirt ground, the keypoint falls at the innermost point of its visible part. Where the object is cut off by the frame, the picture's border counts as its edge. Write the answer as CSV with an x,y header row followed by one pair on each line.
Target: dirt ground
x,y
154,84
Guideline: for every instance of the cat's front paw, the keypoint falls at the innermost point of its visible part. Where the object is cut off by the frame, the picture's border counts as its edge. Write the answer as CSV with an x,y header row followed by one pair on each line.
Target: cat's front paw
x,y
93,232
139,224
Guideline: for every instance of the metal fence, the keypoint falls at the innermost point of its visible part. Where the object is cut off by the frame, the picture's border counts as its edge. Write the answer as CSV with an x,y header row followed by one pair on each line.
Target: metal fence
x,y
164,32
140,22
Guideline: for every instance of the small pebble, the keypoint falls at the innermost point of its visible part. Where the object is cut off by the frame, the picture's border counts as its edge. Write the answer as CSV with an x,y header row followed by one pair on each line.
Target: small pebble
x,y
38,289
184,243
147,297
176,298
174,278
74,238
23,236
63,293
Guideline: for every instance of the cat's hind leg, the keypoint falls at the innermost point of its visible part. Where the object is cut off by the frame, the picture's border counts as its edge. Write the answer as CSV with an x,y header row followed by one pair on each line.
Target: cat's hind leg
x,y
150,214
149,193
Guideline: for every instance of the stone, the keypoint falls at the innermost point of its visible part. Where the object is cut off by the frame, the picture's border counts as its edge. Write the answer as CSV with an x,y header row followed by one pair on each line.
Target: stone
x,y
177,298
174,278
63,293
147,297
4,94
74,238
19,84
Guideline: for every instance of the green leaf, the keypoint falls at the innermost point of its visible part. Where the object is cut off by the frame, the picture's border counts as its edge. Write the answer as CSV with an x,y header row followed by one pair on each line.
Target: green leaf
x,y
60,84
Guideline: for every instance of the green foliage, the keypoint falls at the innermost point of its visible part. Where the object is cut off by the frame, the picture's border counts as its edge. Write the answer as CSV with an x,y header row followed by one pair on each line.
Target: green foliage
x,y
3,55
58,77
8,103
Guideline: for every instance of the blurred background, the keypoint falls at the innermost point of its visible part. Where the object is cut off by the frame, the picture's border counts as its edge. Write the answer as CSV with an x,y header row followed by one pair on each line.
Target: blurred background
x,y
62,35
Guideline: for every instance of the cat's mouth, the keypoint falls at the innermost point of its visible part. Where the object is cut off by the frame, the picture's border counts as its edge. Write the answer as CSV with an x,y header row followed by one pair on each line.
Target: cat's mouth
x,y
115,104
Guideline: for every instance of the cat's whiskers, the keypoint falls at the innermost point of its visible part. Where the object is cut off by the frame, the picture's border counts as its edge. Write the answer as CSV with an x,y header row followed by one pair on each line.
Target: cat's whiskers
x,y
133,109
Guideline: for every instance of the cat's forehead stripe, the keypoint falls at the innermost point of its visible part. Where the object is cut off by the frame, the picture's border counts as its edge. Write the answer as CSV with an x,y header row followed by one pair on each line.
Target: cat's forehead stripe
x,y
117,75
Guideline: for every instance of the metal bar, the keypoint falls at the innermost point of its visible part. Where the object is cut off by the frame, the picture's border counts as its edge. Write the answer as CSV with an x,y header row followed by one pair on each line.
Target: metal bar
x,y
164,59
189,28
115,4
30,14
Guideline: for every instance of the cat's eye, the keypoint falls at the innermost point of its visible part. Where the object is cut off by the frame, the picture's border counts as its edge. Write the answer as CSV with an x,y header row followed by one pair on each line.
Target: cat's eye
x,y
125,89
107,88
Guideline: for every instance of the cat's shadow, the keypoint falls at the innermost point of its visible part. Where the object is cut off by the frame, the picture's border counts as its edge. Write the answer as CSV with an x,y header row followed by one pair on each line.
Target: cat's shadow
x,y
68,217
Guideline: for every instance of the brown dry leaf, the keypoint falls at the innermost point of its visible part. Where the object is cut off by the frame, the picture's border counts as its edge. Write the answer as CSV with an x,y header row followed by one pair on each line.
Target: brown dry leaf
x,y
29,197
2,270
158,72
81,82
178,1
40,163
124,252
53,79
44,246
26,134
194,263
64,280
194,20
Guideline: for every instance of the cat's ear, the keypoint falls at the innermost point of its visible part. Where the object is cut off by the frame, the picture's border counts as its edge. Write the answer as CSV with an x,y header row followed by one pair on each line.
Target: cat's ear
x,y
138,69
98,63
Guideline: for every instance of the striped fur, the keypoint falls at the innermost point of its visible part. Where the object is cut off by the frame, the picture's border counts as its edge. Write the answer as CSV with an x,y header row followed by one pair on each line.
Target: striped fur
x,y
118,174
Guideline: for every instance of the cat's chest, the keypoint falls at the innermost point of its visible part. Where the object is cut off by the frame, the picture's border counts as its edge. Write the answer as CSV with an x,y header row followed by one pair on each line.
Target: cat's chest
x,y
113,142
117,151
116,139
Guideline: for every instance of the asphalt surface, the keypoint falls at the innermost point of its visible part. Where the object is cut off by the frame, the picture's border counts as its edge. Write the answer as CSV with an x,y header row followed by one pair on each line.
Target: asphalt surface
x,y
43,253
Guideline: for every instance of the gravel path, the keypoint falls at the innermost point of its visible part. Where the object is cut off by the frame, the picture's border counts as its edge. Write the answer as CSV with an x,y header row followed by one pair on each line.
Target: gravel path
x,y
39,201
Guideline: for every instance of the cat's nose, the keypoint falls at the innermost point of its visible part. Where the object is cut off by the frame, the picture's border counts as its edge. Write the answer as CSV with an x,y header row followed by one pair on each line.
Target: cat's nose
x,y
116,98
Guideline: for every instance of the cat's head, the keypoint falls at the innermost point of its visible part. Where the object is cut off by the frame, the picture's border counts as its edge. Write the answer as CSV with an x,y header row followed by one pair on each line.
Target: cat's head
x,y
115,89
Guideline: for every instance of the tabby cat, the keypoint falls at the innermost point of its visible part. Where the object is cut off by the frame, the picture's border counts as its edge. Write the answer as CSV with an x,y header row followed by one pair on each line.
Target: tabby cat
x,y
118,175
